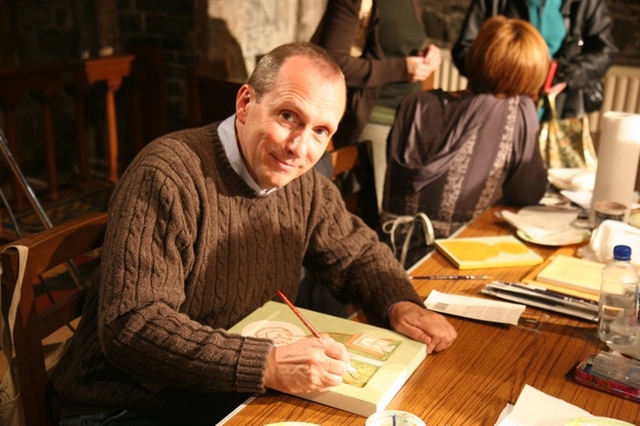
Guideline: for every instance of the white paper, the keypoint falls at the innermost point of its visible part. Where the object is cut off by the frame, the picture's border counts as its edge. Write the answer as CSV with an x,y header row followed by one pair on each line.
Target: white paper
x,y
573,179
581,198
474,307
536,408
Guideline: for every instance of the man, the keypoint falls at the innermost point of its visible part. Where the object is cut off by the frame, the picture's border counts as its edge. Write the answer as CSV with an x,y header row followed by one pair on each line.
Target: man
x,y
204,226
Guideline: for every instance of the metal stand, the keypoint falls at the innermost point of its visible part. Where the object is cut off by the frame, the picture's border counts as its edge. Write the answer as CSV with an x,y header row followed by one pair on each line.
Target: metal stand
x,y
17,173
15,169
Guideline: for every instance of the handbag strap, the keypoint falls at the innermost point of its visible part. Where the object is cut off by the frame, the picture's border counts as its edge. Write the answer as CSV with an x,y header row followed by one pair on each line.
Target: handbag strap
x,y
391,226
551,101
6,328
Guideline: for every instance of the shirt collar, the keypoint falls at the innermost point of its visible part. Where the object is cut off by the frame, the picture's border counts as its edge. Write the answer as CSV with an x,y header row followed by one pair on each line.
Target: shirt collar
x,y
227,133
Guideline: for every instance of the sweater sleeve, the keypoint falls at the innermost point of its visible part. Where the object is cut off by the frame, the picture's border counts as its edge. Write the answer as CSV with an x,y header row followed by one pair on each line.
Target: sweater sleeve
x,y
339,30
345,253
148,260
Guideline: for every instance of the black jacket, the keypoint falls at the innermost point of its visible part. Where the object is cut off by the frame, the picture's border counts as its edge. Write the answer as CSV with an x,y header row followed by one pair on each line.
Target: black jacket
x,y
583,59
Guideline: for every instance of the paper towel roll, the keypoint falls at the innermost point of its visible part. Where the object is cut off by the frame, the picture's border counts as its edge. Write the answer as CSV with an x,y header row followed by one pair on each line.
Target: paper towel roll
x,y
618,156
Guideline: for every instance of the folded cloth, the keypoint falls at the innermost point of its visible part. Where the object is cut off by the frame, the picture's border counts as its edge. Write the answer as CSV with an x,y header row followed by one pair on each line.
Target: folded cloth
x,y
609,234
546,225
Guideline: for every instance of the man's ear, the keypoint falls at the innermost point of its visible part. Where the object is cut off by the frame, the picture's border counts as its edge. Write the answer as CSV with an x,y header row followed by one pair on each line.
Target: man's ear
x,y
243,98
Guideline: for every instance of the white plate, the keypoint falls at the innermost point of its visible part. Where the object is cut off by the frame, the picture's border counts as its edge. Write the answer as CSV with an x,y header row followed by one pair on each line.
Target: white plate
x,y
547,225
596,421
579,236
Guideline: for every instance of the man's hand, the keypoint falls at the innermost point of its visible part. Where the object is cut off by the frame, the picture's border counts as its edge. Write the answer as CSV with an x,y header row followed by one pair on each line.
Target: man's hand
x,y
420,324
308,365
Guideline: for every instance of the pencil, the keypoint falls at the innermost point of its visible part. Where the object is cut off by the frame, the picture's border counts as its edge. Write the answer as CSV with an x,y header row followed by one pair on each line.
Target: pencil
x,y
295,310
450,277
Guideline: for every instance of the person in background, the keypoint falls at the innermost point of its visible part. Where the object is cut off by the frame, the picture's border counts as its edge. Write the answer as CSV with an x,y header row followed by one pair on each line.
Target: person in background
x,y
577,33
381,48
453,154
204,225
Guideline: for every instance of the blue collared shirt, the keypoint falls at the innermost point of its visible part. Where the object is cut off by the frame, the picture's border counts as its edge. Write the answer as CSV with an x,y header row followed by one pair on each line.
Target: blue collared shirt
x,y
227,133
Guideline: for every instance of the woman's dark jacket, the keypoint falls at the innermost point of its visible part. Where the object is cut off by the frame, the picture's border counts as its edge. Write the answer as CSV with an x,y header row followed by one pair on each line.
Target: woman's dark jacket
x,y
583,59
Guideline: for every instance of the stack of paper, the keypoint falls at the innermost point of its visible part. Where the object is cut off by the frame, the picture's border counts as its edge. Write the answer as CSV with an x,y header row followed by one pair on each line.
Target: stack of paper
x,y
542,298
572,276
536,408
573,273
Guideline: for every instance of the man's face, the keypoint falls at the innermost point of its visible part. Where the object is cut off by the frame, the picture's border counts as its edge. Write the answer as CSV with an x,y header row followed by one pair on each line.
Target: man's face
x,y
286,133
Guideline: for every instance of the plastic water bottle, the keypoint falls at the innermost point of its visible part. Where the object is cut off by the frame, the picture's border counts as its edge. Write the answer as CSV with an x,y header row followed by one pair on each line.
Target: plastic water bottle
x,y
619,299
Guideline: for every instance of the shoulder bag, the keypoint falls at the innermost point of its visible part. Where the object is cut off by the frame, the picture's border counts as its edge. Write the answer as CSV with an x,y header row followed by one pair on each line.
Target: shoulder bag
x,y
566,143
11,407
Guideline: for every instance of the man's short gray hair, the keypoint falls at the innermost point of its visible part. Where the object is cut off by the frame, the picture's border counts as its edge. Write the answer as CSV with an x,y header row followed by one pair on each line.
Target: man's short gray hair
x,y
263,78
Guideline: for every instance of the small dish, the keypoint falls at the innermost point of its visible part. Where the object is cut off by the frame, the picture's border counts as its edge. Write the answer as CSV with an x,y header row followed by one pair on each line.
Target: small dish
x,y
395,418
292,424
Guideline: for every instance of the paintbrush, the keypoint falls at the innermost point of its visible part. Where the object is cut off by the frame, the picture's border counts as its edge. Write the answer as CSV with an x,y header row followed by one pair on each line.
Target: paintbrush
x,y
301,317
352,370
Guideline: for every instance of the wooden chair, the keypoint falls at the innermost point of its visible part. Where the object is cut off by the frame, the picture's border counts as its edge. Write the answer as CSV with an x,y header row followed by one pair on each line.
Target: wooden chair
x,y
211,94
350,163
358,194
47,250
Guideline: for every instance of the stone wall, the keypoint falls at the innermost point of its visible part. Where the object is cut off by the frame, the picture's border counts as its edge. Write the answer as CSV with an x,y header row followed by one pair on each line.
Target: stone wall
x,y
199,30
264,24
190,31
443,20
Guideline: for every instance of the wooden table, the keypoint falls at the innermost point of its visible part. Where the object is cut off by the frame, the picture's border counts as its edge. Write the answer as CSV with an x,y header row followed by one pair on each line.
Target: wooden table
x,y
45,83
486,368
111,70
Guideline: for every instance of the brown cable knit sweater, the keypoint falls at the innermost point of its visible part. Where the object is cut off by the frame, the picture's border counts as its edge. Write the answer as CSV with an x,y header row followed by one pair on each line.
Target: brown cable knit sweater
x,y
189,251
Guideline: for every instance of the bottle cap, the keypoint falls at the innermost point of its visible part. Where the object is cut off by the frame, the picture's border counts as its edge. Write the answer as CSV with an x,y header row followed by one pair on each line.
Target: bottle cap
x,y
621,252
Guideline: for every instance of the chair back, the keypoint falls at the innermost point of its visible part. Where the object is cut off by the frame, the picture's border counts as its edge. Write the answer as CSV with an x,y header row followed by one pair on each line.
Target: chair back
x,y
353,173
47,251
211,94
